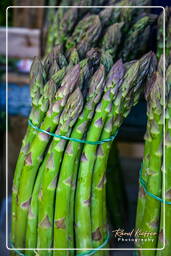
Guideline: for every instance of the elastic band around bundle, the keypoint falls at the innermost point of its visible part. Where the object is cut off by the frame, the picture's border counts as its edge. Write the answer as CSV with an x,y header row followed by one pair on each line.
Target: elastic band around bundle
x,y
88,253
98,142
144,185
93,251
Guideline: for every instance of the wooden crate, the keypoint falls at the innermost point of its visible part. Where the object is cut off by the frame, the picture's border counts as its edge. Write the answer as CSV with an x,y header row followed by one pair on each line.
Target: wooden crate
x,y
22,42
28,17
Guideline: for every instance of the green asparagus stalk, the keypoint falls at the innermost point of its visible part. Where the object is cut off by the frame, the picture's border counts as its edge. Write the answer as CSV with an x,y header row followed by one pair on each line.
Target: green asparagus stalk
x,y
128,51
151,217
167,174
50,175
107,60
68,22
56,55
50,30
105,16
53,37
68,164
112,38
147,137
82,204
141,193
85,34
112,15
115,192
74,57
37,80
99,229
110,43
35,153
31,233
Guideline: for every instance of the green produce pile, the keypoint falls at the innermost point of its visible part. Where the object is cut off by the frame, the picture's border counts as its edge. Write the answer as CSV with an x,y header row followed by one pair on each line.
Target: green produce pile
x,y
88,27
59,185
94,70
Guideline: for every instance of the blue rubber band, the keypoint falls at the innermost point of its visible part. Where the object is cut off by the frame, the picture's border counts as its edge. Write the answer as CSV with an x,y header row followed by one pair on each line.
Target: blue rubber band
x,y
88,253
72,139
144,185
91,252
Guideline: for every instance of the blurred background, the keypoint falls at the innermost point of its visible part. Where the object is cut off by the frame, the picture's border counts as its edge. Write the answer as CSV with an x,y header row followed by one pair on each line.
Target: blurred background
x,y
26,27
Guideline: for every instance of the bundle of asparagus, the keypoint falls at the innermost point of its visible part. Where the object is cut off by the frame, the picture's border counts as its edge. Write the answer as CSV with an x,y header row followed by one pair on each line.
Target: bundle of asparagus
x,y
85,27
59,189
148,210
51,106
55,176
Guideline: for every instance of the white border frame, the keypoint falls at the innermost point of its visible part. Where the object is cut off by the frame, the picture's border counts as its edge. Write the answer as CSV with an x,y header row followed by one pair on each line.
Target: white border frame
x,y
76,249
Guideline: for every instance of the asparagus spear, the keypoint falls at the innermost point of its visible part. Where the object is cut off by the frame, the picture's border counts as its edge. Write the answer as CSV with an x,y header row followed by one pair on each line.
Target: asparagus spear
x,y
147,150
112,38
54,32
50,175
68,164
82,204
50,30
31,233
141,193
68,22
151,216
112,15
134,36
85,35
64,22
74,57
115,192
37,80
167,174
34,156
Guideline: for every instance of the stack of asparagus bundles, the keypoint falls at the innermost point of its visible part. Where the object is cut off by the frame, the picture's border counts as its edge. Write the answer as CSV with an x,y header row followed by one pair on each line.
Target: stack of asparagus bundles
x,y
59,184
